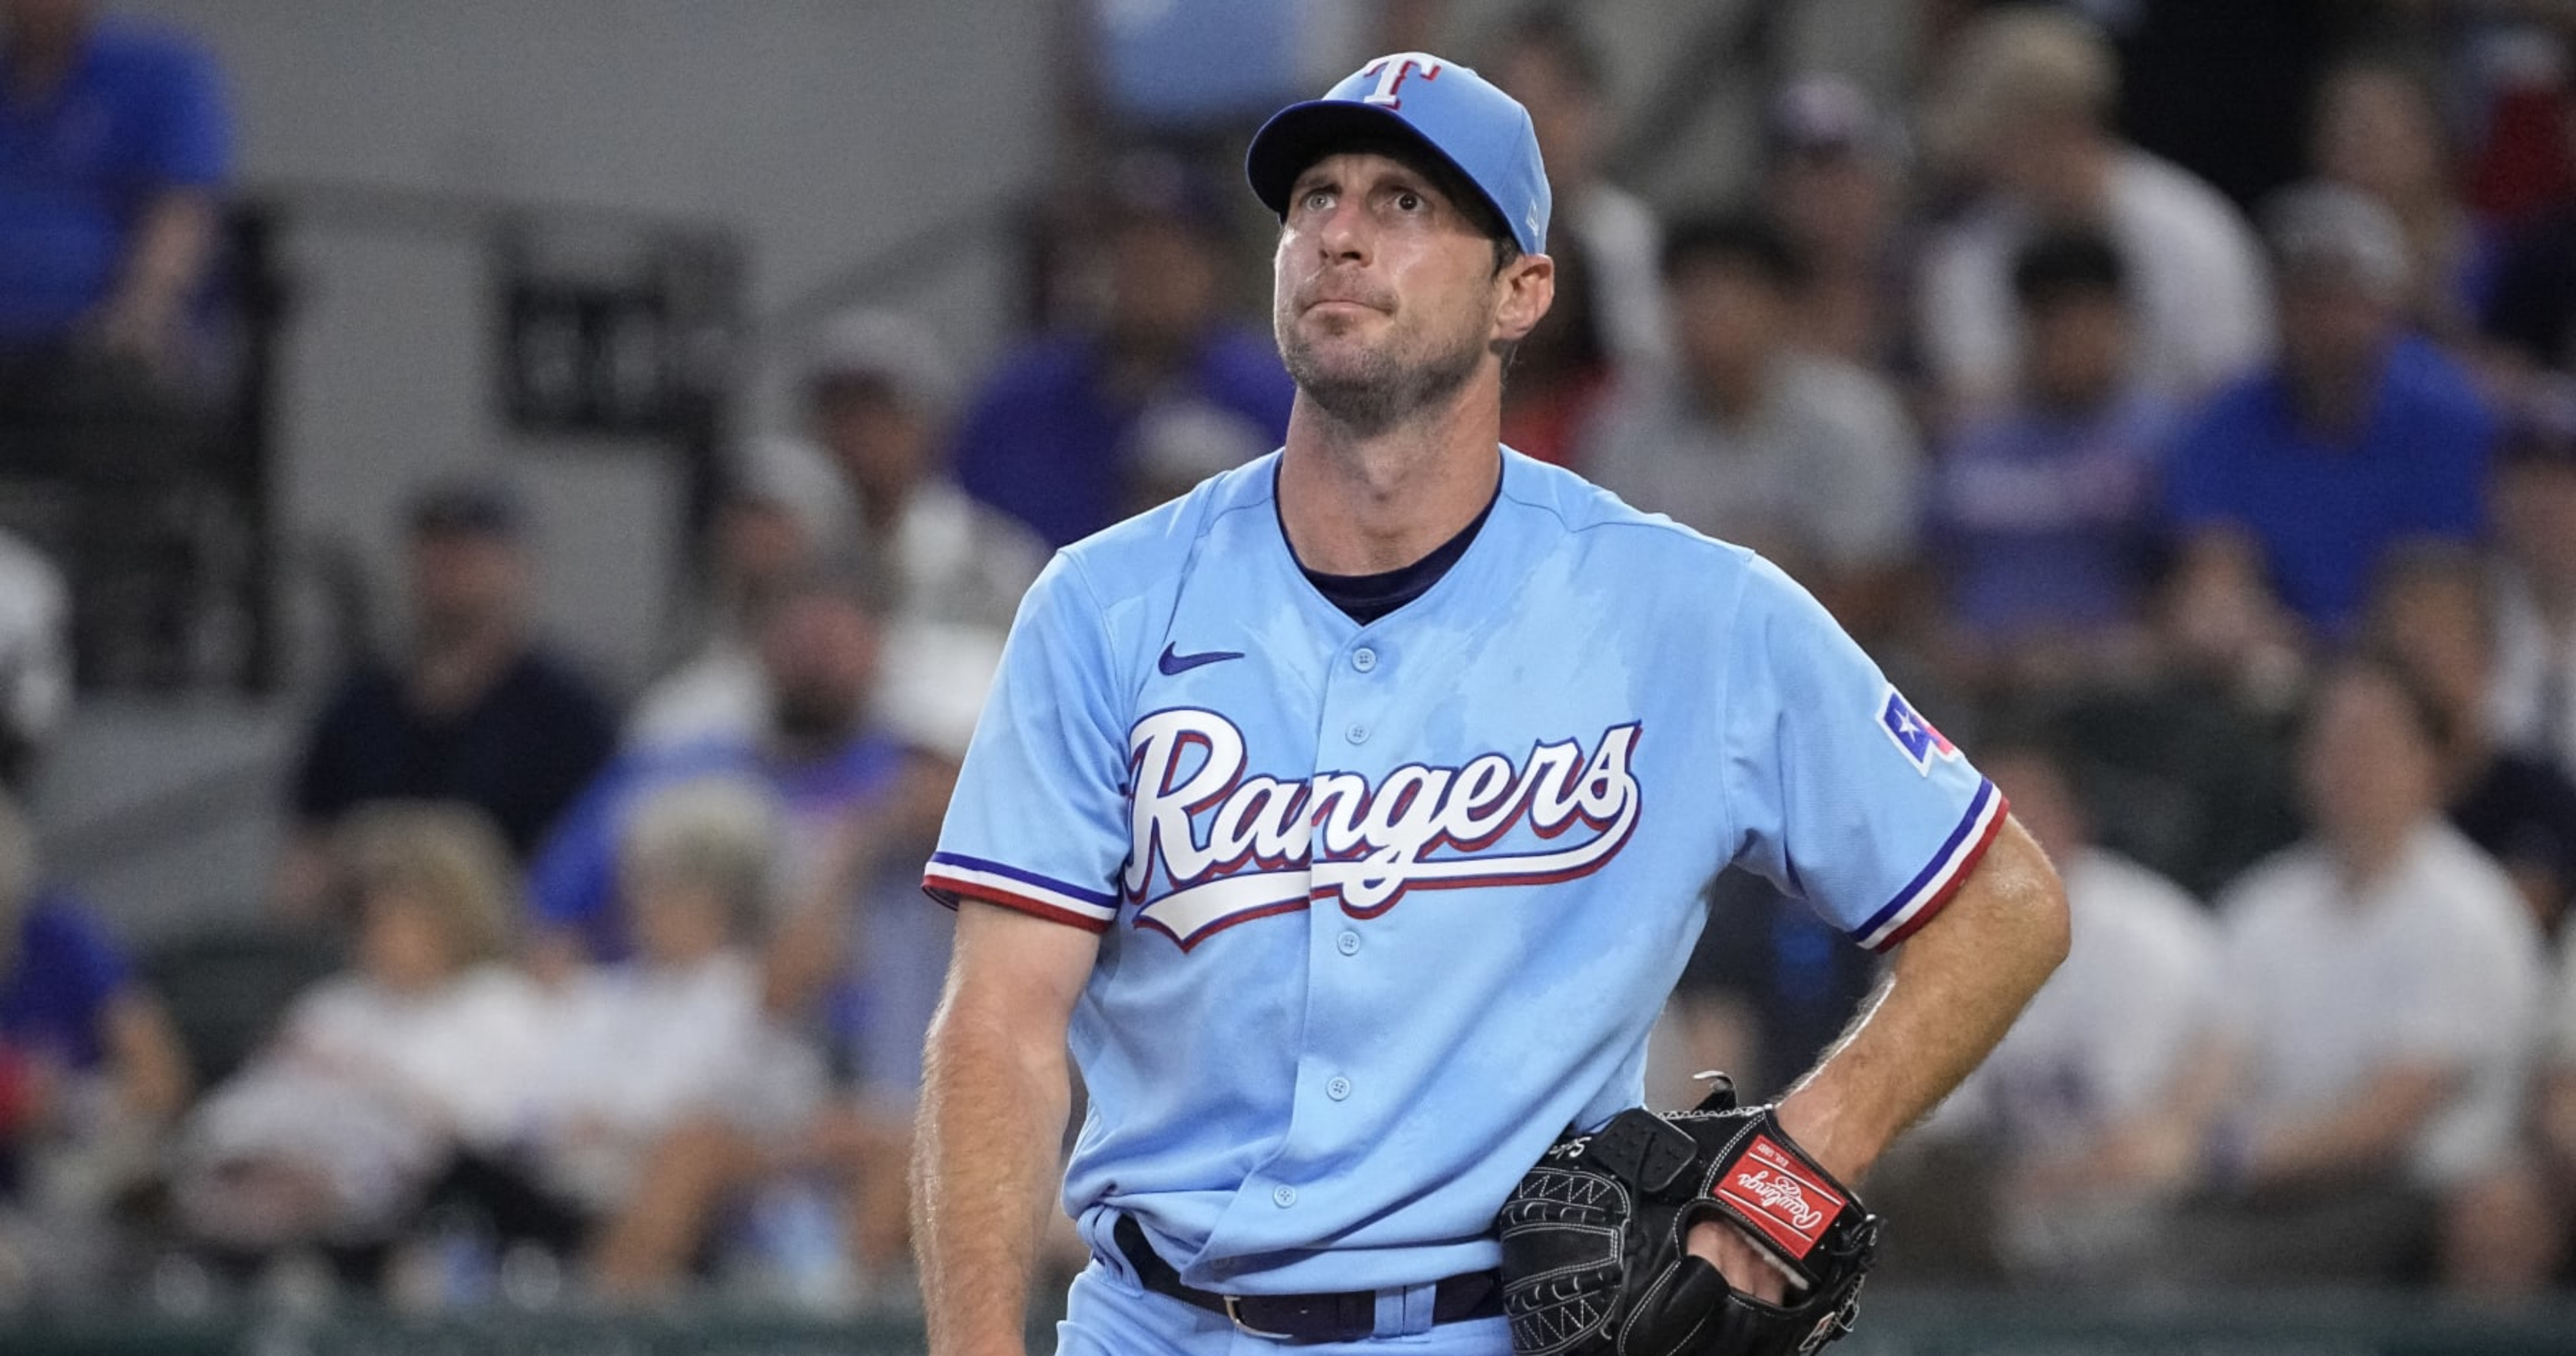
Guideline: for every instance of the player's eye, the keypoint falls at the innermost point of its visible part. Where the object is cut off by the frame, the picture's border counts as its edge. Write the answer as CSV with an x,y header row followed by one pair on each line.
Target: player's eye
x,y
1316,200
1408,201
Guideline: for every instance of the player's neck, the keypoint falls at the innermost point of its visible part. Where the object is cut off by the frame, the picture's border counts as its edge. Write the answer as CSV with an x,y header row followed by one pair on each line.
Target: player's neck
x,y
1360,502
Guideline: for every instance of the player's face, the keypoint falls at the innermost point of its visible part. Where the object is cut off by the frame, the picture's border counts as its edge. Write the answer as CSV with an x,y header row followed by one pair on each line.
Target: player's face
x,y
1385,297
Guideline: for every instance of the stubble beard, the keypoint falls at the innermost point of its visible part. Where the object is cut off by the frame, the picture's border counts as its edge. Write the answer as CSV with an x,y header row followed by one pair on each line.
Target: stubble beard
x,y
1372,389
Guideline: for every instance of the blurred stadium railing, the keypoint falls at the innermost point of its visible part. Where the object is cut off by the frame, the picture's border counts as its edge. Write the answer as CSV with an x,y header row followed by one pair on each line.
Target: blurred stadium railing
x,y
2376,1324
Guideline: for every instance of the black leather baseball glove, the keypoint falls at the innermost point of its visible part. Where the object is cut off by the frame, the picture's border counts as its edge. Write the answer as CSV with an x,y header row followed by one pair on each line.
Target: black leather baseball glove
x,y
1593,1236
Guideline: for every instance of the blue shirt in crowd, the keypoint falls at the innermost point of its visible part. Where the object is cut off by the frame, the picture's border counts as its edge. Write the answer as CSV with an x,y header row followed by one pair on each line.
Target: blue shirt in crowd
x,y
55,993
140,112
1047,442
2044,520
573,883
2322,511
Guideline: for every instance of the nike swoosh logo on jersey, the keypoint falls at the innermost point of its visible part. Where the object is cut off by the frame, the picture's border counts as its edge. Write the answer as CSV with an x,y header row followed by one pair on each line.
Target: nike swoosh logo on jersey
x,y
1174,662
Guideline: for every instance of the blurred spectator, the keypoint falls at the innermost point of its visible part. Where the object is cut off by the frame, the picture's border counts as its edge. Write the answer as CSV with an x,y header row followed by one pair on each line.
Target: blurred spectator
x,y
2534,704
679,1033
2384,989
2045,512
1557,73
35,659
1049,437
2555,1114
90,1070
2221,87
782,507
1177,445
818,753
114,142
881,396
478,710
2433,610
1833,175
335,1134
1608,312
2520,166
2378,128
862,942
2022,107
2531,308
2064,1126
2290,484
1804,458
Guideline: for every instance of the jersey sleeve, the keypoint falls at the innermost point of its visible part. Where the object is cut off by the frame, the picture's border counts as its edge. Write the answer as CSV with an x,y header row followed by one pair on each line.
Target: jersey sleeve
x,y
1842,794
1038,820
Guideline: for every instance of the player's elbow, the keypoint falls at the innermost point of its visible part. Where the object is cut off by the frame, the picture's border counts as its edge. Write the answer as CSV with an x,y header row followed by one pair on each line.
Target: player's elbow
x,y
2011,916
2041,917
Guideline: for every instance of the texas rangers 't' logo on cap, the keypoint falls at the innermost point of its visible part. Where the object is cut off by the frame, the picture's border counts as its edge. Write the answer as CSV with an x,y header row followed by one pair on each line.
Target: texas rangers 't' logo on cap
x,y
1452,111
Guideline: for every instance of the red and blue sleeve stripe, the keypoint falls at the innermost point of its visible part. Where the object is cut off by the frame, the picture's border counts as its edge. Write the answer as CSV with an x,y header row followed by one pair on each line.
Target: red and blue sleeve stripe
x,y
954,876
1931,889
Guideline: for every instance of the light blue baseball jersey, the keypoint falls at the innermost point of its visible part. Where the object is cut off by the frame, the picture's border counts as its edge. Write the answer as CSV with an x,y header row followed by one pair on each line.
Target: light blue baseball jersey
x,y
1385,908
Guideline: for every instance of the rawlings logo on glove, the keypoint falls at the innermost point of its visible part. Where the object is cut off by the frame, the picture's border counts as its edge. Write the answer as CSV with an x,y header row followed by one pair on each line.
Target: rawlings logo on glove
x,y
1594,1238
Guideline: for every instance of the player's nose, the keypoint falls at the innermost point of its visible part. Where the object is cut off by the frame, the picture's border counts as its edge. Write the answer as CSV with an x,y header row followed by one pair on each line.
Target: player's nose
x,y
1342,234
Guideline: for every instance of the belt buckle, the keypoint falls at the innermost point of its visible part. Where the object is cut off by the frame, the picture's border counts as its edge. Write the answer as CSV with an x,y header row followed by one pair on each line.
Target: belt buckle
x,y
1234,1315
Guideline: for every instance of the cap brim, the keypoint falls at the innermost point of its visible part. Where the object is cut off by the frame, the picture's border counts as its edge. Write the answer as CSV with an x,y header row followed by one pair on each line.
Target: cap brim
x,y
1301,134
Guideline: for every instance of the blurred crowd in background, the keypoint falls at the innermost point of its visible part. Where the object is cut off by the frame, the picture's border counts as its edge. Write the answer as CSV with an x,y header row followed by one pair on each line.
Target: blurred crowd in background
x,y
2182,410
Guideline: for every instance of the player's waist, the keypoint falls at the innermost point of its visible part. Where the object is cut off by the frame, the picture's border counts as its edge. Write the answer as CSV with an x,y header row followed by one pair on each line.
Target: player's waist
x,y
1221,1254
1316,1316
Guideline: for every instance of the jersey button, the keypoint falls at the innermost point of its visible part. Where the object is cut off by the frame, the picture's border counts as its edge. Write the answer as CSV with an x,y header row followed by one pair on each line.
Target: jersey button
x,y
1364,659
1348,943
1357,734
1337,1088
1283,1197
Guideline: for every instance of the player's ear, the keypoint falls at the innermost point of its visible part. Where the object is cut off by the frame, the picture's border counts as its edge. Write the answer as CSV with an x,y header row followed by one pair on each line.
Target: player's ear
x,y
1526,288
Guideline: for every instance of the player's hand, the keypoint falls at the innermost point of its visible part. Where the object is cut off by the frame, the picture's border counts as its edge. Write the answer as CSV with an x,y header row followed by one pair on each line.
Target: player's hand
x,y
1725,1247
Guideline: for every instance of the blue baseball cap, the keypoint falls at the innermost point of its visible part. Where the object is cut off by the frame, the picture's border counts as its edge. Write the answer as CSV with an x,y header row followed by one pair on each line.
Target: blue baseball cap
x,y
1447,108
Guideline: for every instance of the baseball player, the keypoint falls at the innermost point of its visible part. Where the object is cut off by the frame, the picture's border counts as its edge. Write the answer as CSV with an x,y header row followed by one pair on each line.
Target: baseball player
x,y
1349,816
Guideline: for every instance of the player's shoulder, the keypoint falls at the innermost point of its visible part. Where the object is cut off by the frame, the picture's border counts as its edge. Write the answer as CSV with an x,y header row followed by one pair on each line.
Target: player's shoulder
x,y
1602,520
1142,555
1728,583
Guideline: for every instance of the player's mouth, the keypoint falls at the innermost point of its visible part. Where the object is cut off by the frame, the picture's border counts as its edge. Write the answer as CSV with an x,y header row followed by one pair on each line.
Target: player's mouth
x,y
1338,306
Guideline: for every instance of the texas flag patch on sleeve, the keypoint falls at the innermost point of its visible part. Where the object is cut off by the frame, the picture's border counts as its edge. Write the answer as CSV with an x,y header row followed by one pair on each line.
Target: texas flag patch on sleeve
x,y
1914,736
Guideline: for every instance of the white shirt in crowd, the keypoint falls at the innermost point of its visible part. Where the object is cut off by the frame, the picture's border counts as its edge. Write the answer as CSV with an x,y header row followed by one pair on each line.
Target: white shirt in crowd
x,y
374,1089
2562,1011
1623,246
35,643
2197,285
635,1050
1827,472
2107,1036
2437,963
2532,704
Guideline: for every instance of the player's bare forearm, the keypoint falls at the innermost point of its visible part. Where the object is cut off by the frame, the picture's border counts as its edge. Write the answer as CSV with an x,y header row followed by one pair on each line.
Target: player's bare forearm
x,y
995,1091
1953,991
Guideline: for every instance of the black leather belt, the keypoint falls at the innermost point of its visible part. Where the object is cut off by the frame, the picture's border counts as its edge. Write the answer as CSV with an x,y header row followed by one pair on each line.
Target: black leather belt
x,y
1346,1316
